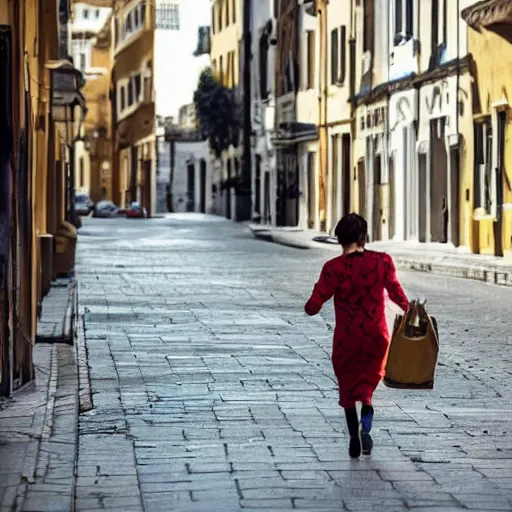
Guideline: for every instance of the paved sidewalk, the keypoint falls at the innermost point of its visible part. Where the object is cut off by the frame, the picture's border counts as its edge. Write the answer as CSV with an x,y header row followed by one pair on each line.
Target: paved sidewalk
x,y
433,258
57,322
38,436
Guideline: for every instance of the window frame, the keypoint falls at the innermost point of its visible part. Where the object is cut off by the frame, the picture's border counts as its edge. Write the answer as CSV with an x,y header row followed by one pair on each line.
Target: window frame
x,y
339,55
403,21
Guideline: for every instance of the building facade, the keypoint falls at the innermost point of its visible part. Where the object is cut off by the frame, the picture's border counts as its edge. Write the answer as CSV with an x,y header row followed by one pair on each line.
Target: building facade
x,y
264,179
226,56
90,50
413,122
133,104
34,175
489,165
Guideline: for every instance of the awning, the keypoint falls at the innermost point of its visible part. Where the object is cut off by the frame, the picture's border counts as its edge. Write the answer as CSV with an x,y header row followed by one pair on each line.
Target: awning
x,y
488,12
289,134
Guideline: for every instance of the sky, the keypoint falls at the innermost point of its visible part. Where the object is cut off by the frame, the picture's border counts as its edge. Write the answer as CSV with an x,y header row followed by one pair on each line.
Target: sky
x,y
176,68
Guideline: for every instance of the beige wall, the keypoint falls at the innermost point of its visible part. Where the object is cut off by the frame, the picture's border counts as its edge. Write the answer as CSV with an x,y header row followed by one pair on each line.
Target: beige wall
x,y
226,40
493,78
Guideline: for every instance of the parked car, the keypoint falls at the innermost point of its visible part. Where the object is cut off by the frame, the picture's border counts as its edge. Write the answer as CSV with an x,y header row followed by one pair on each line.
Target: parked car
x,y
83,204
106,209
136,211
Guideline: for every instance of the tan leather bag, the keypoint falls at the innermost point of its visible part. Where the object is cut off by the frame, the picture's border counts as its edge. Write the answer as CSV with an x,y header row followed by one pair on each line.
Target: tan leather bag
x,y
413,352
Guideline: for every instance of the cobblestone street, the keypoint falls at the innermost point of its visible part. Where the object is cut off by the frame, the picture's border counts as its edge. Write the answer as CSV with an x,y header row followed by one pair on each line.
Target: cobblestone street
x,y
214,392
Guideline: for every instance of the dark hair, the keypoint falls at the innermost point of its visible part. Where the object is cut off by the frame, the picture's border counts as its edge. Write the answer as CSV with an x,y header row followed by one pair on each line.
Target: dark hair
x,y
351,229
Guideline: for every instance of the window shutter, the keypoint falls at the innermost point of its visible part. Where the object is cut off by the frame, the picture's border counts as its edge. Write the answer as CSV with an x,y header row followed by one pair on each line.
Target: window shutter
x,y
343,54
334,56
311,59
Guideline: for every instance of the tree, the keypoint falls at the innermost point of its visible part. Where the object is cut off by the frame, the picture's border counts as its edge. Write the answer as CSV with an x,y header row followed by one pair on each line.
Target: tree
x,y
216,108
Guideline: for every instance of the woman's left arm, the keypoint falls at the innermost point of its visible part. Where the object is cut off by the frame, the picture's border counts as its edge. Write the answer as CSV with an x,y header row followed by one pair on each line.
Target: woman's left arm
x,y
324,289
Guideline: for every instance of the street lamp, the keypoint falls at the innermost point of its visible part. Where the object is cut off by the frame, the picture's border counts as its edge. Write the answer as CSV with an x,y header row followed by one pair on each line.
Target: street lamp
x,y
68,112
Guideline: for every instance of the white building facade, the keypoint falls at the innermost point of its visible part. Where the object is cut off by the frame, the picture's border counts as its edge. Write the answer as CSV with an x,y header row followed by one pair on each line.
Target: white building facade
x,y
264,179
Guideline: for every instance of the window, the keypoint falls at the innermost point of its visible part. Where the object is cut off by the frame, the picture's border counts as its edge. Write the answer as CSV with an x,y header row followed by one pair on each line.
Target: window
x,y
439,24
136,17
116,32
221,69
137,86
228,21
81,178
338,55
168,16
276,9
483,165
123,98
86,14
131,100
97,13
219,15
233,10
404,20
368,26
310,79
263,71
334,56
82,62
128,27
231,70
213,19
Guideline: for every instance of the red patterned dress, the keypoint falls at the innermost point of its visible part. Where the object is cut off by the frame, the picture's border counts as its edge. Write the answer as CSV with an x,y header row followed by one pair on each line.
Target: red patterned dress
x,y
358,282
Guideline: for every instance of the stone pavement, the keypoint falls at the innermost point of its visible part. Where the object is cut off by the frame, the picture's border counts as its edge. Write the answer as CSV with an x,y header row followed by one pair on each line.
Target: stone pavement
x,y
38,436
437,259
212,391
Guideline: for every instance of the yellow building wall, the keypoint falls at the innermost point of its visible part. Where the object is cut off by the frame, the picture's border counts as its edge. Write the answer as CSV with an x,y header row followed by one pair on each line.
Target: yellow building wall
x,y
226,41
493,75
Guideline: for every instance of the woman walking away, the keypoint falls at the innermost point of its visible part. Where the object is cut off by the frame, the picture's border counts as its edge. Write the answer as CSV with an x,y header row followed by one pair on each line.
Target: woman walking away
x,y
358,279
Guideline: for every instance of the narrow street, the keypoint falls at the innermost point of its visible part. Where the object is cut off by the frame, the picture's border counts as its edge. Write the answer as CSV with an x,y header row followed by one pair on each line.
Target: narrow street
x,y
213,391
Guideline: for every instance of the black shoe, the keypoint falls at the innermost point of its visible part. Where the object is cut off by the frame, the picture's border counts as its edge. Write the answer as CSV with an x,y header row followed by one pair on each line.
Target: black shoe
x,y
366,427
354,449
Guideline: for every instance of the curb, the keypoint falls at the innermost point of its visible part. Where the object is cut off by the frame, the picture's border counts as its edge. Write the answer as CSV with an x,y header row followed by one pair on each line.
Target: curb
x,y
490,274
58,319
84,378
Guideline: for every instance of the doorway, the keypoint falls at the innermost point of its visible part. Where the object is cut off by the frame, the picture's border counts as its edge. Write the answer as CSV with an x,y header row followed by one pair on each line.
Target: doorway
x,y
361,180
146,186
455,196
423,195
191,188
257,187
202,167
335,140
377,198
227,191
498,225
311,189
439,213
392,198
346,143
267,217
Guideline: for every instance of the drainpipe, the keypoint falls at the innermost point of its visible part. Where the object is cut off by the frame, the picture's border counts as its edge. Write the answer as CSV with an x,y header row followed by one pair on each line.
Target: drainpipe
x,y
457,124
353,101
